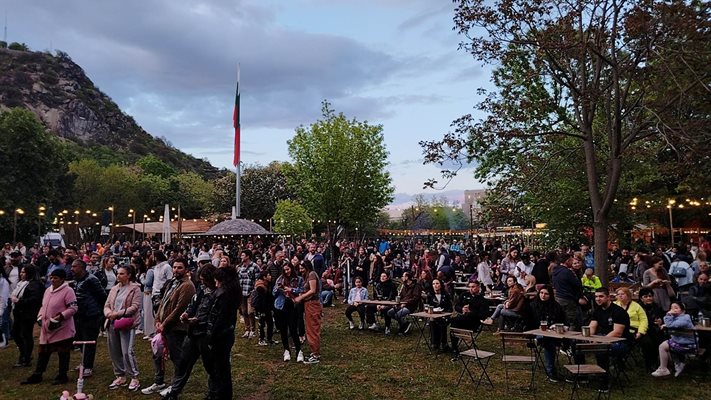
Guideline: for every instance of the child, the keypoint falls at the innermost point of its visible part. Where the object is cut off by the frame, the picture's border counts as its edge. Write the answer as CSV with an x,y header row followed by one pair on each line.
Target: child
x,y
678,319
262,304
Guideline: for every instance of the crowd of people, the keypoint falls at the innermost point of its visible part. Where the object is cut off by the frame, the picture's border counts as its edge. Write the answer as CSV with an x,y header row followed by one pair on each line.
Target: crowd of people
x,y
187,299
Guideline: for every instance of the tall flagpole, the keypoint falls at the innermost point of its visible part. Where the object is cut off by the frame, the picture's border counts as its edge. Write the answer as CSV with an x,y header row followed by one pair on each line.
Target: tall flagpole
x,y
236,161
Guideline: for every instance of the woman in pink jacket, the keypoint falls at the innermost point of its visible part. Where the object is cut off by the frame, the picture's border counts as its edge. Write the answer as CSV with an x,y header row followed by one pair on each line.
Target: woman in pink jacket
x,y
123,313
56,318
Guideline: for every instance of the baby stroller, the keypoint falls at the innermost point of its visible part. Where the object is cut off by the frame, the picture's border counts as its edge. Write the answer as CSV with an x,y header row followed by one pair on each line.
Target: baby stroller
x,y
79,395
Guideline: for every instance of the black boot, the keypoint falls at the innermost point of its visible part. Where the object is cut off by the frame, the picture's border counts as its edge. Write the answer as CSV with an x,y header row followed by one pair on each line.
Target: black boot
x,y
60,379
34,378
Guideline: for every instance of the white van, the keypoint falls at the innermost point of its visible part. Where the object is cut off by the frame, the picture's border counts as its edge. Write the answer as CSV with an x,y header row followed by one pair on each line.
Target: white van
x,y
54,239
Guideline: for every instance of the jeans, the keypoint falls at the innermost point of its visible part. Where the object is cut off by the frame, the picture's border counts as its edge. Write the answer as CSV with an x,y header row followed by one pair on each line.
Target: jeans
x,y
286,322
22,333
399,314
87,329
265,319
194,347
326,297
174,340
549,345
6,325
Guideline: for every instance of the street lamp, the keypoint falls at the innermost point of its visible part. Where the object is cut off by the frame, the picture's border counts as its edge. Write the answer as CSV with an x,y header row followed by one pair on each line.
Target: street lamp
x,y
132,213
14,224
670,206
111,227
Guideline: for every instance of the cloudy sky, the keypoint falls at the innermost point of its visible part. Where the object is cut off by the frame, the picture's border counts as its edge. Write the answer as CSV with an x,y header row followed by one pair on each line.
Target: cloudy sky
x,y
172,66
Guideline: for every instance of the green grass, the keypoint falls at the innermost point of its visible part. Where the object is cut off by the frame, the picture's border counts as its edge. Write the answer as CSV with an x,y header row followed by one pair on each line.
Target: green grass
x,y
355,365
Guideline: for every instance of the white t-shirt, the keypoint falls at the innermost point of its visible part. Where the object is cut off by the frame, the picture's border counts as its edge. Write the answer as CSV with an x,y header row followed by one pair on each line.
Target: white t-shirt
x,y
162,273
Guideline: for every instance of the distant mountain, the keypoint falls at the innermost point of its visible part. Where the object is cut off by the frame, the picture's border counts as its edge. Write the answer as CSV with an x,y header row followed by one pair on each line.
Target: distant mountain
x,y
69,104
453,196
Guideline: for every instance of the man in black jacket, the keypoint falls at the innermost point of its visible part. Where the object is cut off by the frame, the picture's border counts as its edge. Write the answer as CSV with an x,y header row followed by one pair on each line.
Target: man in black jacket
x,y
568,292
472,309
90,301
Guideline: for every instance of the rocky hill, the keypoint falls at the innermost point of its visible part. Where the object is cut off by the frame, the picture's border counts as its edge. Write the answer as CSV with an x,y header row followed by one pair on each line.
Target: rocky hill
x,y
58,91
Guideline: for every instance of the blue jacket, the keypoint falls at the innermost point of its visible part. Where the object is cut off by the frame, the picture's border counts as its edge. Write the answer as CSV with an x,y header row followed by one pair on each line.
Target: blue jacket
x,y
682,321
352,294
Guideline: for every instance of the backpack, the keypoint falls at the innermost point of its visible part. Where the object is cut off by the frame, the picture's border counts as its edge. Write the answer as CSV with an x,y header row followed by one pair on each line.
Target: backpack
x,y
677,271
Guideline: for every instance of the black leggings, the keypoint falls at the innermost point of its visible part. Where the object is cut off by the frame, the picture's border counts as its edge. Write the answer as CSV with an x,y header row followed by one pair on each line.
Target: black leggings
x,y
351,309
286,320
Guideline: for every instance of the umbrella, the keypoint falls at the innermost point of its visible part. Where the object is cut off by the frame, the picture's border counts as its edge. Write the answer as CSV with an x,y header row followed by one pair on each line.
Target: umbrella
x,y
166,224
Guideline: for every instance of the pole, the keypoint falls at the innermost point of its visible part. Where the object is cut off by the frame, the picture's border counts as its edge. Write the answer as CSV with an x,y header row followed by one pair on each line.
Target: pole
x,y
134,227
471,220
671,225
14,229
237,187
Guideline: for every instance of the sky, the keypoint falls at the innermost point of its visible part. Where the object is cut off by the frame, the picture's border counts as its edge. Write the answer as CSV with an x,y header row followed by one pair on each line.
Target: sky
x,y
172,65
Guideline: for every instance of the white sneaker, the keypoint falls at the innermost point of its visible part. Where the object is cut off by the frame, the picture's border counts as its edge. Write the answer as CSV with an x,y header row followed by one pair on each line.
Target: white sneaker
x,y
251,335
165,391
246,334
661,372
387,331
361,326
678,367
88,372
154,388
373,327
300,356
351,326
287,355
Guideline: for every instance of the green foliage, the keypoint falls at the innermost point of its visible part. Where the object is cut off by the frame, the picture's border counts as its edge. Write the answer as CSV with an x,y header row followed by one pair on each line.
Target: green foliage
x,y
291,218
192,192
338,169
18,46
439,213
262,188
28,176
152,165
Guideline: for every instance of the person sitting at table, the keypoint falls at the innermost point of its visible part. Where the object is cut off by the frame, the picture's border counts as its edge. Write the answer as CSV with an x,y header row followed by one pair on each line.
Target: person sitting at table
x,y
425,280
639,323
410,297
676,318
699,297
655,335
509,283
609,319
356,295
512,307
385,289
545,309
438,299
472,308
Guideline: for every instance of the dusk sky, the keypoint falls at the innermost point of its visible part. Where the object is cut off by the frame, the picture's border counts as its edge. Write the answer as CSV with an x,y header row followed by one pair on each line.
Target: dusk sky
x,y
172,66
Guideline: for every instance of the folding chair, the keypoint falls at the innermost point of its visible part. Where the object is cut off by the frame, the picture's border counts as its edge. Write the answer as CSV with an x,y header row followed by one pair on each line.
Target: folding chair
x,y
482,358
466,337
583,371
519,350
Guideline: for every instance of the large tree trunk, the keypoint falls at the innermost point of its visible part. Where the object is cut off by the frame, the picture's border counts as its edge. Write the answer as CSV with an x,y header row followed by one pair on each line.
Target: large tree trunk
x,y
600,250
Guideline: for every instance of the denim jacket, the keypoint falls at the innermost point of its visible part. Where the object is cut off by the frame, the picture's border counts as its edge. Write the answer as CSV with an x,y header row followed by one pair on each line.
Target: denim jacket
x,y
352,294
682,321
296,284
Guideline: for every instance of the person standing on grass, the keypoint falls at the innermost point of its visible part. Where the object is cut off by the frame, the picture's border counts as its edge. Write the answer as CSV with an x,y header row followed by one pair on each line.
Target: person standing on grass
x,y
247,272
175,298
286,288
56,318
26,302
195,344
90,301
124,301
312,310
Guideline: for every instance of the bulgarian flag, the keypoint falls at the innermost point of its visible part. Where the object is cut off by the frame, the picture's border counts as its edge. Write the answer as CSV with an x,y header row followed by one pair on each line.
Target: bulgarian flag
x,y
235,120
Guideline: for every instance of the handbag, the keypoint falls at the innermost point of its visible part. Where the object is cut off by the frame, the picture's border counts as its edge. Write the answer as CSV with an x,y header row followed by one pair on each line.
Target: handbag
x,y
123,324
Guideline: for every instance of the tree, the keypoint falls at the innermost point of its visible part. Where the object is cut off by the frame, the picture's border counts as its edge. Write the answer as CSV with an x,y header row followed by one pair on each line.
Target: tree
x,y
338,169
18,46
291,218
151,164
262,187
32,161
192,192
608,77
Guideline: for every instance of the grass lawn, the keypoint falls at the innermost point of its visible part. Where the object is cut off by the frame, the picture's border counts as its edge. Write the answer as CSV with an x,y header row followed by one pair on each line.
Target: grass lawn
x,y
355,365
